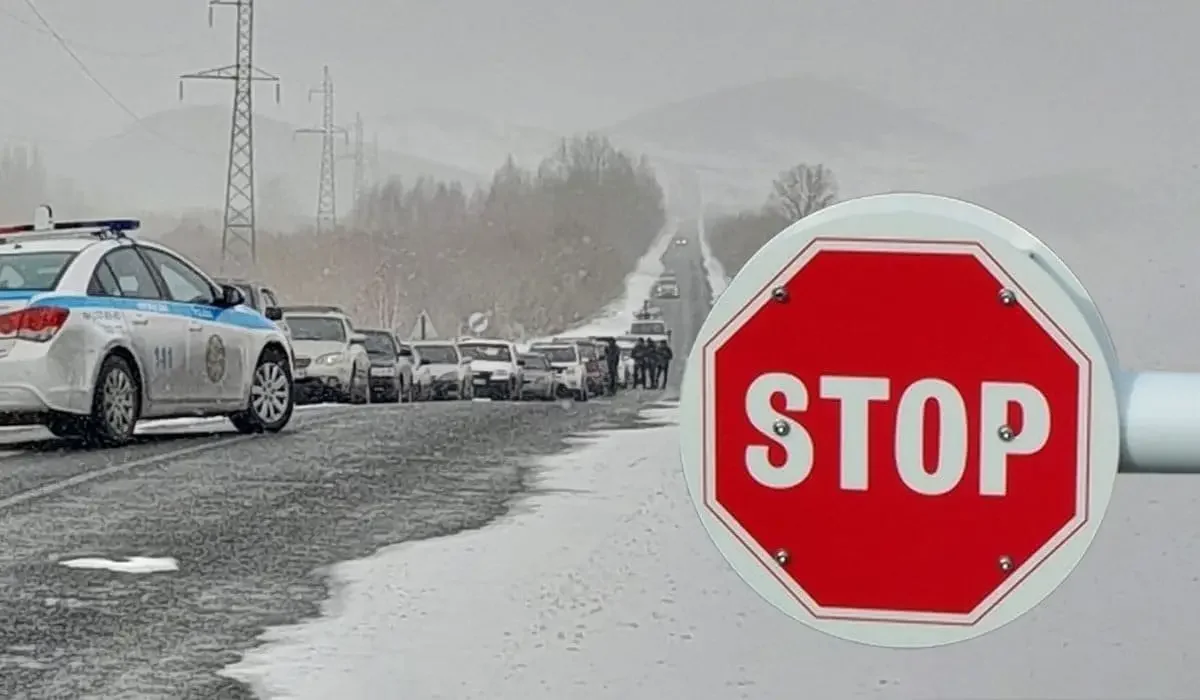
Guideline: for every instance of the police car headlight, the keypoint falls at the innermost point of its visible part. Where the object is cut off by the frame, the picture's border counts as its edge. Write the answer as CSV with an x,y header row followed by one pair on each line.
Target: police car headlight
x,y
332,358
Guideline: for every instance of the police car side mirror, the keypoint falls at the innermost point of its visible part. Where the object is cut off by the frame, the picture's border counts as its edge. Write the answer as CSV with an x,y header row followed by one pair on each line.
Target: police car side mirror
x,y
273,313
358,339
521,363
231,296
404,352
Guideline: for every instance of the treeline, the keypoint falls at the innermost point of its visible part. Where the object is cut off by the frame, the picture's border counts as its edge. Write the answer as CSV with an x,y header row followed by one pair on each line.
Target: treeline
x,y
25,184
538,249
795,193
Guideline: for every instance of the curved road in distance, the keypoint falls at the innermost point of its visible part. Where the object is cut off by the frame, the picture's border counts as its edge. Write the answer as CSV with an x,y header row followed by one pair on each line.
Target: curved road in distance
x,y
251,521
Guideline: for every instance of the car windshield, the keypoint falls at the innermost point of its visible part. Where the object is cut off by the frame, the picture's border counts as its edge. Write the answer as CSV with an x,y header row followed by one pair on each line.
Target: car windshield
x,y
32,272
534,361
559,354
486,351
648,328
317,328
438,354
380,343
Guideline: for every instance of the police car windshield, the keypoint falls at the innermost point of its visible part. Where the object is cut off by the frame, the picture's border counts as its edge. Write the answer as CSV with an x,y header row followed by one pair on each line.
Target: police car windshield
x,y
558,354
648,328
438,354
316,328
480,351
32,272
380,343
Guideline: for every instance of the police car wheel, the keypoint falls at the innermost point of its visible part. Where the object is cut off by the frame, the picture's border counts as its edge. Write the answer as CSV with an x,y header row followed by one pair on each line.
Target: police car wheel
x,y
116,404
272,397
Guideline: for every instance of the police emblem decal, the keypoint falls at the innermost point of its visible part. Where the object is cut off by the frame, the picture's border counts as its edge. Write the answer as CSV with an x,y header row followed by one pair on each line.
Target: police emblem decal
x,y
214,359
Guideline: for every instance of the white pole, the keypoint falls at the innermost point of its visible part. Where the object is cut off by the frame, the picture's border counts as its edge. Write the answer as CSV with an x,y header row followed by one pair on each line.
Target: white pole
x,y
1160,422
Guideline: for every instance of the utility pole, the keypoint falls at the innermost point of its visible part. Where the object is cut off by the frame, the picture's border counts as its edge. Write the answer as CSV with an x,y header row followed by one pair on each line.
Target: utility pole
x,y
326,190
359,156
239,231
376,175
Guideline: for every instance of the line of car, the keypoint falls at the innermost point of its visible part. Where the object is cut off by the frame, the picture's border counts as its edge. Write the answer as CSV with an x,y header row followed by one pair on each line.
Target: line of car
x,y
99,330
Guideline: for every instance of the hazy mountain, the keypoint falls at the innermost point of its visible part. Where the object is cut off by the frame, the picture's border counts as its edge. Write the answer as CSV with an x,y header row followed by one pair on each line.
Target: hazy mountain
x,y
738,138
468,141
177,160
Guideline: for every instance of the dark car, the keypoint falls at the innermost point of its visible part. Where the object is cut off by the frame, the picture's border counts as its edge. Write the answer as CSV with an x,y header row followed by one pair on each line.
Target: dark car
x,y
387,376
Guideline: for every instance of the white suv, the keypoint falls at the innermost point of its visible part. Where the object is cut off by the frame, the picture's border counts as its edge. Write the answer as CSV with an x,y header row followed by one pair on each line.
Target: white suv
x,y
496,368
331,358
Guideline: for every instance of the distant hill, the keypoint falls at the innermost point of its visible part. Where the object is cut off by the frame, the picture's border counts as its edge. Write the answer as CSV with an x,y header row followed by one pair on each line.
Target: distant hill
x,y
738,138
462,140
137,169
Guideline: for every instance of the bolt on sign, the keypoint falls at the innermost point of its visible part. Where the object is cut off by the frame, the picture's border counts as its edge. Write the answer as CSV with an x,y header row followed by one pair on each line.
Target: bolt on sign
x,y
899,425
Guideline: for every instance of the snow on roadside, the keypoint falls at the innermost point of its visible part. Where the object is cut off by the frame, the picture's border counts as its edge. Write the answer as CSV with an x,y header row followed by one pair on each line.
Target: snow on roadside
x,y
604,586
616,317
713,269
130,565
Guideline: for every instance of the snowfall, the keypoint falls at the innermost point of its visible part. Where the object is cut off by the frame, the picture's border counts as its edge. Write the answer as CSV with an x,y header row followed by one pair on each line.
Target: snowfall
x,y
603,584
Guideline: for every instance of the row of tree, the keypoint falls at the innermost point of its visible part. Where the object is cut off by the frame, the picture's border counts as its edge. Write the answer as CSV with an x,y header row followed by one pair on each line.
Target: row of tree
x,y
795,193
537,250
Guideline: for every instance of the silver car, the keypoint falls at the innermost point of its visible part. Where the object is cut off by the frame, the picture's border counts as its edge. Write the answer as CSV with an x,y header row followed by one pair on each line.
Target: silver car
x,y
331,360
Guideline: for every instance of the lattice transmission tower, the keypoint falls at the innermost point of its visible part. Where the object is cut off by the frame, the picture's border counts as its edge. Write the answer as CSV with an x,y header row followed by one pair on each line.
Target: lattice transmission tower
x,y
239,233
329,131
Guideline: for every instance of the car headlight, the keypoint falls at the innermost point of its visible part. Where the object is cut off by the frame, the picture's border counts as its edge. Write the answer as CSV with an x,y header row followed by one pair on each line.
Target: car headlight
x,y
500,374
332,358
449,374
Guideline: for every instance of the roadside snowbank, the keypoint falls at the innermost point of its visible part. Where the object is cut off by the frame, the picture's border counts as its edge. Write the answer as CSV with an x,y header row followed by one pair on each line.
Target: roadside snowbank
x,y
616,317
606,587
713,269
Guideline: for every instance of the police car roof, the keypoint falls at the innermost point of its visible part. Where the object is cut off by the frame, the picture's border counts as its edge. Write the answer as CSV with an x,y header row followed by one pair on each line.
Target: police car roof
x,y
59,245
69,235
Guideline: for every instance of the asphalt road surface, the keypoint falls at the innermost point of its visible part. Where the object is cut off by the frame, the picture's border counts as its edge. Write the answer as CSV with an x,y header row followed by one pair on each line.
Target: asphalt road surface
x,y
251,522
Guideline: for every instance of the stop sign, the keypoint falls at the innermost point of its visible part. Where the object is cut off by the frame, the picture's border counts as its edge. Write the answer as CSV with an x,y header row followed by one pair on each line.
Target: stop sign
x,y
899,421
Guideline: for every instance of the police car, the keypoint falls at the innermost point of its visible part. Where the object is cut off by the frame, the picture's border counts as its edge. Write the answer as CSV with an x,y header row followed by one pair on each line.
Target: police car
x,y
99,331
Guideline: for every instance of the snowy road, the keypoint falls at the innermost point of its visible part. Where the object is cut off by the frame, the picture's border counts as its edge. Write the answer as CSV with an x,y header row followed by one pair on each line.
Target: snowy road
x,y
251,521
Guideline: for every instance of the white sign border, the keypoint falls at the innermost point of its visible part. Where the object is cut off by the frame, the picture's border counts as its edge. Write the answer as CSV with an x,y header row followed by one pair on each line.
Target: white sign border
x,y
1036,271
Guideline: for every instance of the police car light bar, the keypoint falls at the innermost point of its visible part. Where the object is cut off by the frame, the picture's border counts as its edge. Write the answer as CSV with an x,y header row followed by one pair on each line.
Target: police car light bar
x,y
99,227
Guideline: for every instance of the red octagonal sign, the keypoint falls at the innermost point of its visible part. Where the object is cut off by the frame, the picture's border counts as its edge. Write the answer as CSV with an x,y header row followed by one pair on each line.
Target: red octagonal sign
x,y
900,421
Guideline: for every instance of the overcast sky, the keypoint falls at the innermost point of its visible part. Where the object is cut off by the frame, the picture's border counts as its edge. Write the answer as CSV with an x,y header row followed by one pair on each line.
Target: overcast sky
x,y
568,64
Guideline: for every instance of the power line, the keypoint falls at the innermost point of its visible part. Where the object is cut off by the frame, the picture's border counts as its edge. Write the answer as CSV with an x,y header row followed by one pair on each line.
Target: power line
x,y
88,48
87,72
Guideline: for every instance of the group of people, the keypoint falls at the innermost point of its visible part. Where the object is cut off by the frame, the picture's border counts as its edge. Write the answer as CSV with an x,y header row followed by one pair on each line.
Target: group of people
x,y
651,363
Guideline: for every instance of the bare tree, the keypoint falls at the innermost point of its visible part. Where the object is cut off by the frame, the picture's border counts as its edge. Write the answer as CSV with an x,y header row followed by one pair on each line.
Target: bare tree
x,y
802,190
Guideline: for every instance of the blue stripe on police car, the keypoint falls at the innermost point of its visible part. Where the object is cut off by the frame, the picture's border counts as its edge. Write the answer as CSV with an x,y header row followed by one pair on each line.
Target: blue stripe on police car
x,y
239,316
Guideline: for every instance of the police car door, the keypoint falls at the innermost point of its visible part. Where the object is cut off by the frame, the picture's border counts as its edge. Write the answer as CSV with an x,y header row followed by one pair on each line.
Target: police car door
x,y
216,349
159,337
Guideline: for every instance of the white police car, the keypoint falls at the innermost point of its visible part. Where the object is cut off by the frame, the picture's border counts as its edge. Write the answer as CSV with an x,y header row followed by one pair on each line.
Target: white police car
x,y
98,331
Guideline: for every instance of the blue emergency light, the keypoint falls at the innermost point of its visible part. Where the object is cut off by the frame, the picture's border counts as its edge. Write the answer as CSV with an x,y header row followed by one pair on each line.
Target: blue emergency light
x,y
96,226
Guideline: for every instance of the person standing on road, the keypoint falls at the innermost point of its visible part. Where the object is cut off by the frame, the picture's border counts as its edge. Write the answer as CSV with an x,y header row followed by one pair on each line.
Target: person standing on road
x,y
639,363
665,356
612,357
652,363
